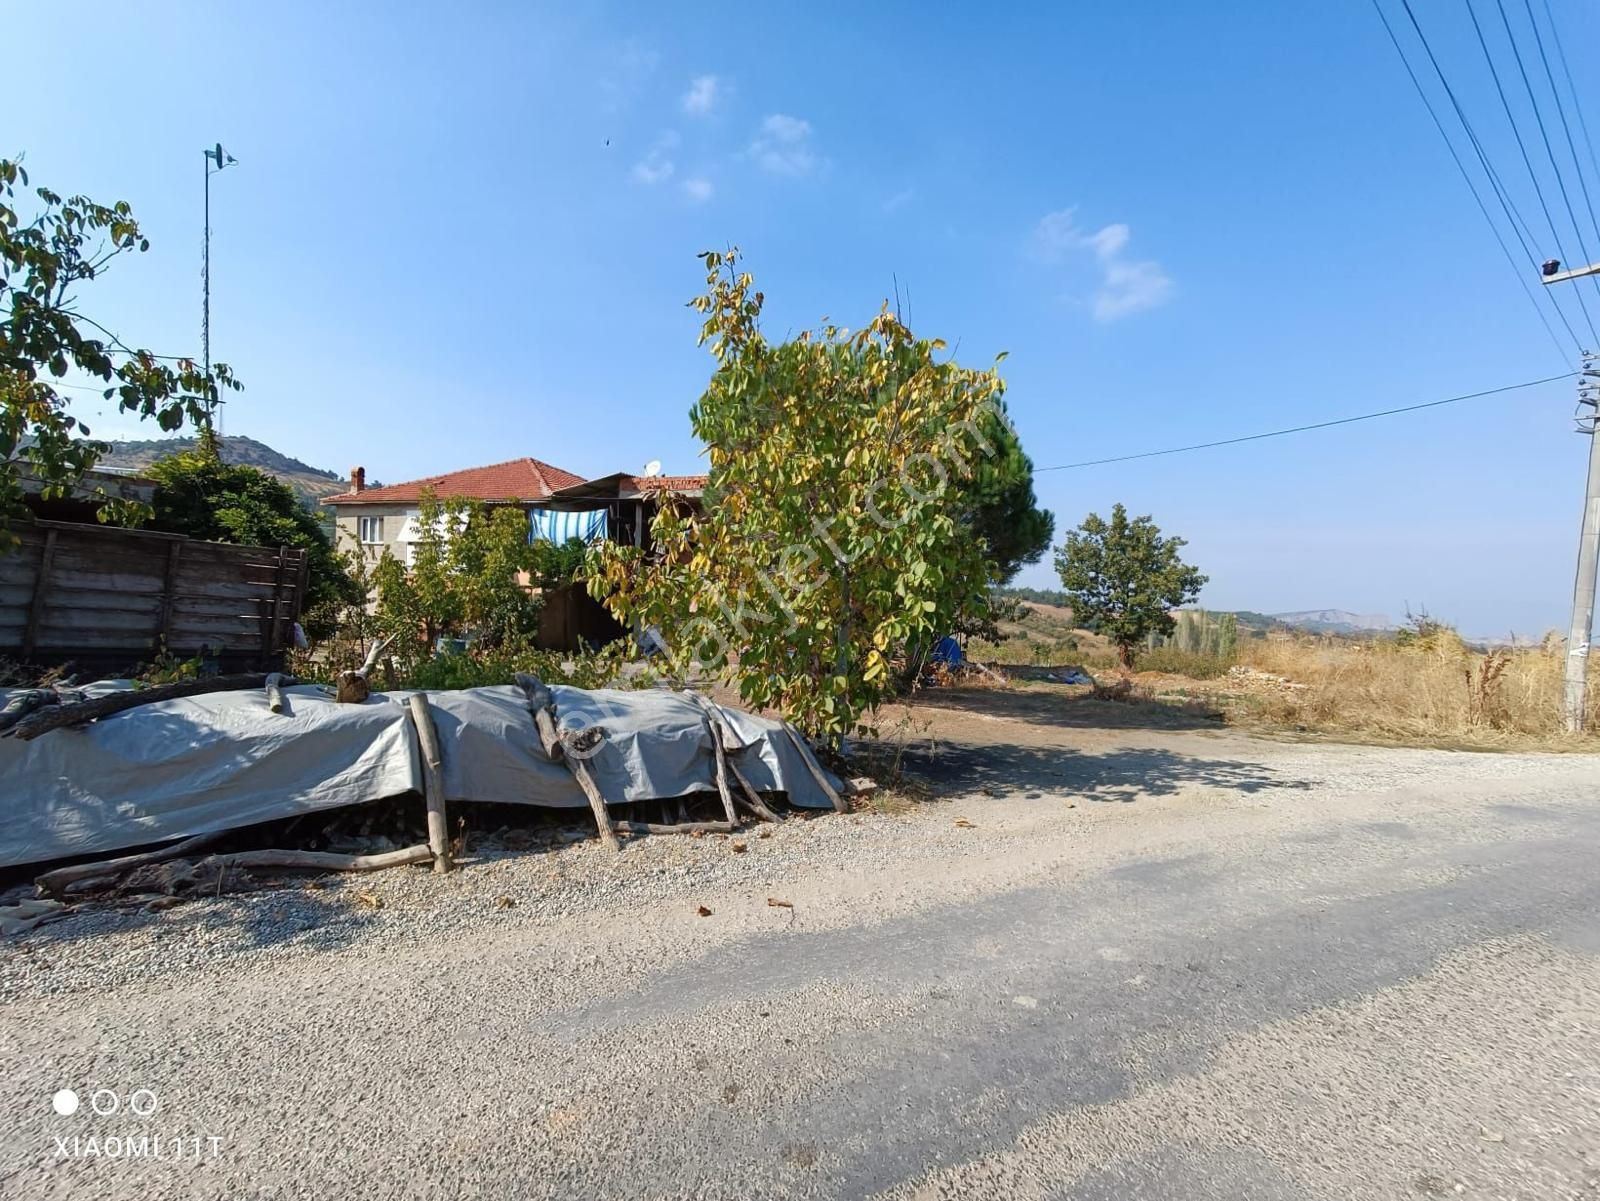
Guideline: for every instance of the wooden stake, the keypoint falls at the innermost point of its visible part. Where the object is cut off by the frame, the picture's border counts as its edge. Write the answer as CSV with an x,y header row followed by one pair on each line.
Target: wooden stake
x,y
543,709
721,758
432,780
751,797
575,751
815,768
274,688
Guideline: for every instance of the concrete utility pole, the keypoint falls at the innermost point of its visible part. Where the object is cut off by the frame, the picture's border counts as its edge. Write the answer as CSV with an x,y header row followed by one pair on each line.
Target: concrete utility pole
x,y
1575,693
1577,681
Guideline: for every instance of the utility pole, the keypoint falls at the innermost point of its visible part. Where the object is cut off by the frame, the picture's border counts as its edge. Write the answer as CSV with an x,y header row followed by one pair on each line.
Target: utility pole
x,y
1577,677
1575,691
222,159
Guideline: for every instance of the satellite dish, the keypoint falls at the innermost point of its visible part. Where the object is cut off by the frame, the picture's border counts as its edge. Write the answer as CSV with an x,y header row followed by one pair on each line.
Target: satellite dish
x,y
652,469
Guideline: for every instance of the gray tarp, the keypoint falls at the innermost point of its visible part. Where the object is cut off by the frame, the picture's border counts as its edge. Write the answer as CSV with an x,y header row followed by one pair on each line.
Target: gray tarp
x,y
184,767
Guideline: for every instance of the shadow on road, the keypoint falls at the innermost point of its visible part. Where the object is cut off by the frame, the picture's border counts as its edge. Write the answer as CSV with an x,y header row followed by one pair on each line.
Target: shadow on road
x,y
1073,708
1006,769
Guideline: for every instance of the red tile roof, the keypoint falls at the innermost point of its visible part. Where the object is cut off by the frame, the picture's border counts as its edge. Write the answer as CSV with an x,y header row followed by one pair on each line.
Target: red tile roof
x,y
664,483
518,479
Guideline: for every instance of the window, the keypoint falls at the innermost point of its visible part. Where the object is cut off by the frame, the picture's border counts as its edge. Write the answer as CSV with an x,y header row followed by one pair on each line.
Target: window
x,y
370,530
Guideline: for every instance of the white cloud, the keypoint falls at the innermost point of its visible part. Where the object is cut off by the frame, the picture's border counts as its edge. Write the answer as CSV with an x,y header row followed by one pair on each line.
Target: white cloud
x,y
1126,286
698,189
657,166
702,96
899,200
784,146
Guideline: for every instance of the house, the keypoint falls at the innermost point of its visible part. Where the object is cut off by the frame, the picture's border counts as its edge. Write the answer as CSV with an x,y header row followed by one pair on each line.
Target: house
x,y
559,504
384,518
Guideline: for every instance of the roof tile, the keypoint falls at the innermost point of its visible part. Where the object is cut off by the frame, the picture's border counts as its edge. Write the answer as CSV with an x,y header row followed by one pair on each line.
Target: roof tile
x,y
516,479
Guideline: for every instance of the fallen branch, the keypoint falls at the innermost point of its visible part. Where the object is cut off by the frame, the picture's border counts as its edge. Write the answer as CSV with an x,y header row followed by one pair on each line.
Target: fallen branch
x,y
55,882
326,861
676,828
54,717
25,702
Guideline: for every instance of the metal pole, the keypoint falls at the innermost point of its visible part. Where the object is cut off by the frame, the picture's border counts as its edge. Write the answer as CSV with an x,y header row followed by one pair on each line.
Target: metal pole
x,y
1577,673
205,286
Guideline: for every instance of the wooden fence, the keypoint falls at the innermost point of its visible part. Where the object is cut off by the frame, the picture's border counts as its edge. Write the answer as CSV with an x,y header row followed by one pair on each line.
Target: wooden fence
x,y
108,597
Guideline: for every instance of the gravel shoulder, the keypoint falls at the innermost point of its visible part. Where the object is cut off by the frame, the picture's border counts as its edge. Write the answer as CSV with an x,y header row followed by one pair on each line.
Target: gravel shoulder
x,y
1143,958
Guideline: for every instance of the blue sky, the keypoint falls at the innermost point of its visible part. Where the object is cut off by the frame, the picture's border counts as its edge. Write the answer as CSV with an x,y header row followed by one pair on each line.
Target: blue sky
x,y
454,241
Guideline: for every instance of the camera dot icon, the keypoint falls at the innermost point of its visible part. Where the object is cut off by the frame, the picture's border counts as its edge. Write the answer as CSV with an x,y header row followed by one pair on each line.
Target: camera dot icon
x,y
65,1102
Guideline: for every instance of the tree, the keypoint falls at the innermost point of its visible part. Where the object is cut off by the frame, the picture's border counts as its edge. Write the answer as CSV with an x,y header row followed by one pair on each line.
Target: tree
x,y
1002,507
203,497
463,579
1122,577
43,336
835,527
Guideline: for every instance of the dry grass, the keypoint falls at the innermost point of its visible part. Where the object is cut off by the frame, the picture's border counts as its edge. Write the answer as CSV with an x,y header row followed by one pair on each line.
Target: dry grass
x,y
1435,692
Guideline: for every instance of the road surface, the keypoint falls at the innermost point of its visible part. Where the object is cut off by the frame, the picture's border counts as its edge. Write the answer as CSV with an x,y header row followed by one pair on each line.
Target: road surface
x,y
1181,966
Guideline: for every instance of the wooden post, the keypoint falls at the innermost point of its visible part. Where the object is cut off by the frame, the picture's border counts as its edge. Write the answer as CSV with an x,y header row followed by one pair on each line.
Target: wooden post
x,y
41,585
169,594
721,758
543,709
815,768
752,798
575,751
432,780
274,687
724,740
275,625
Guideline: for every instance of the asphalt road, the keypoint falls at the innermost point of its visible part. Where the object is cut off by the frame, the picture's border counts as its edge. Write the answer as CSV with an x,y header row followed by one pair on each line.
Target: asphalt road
x,y
1292,973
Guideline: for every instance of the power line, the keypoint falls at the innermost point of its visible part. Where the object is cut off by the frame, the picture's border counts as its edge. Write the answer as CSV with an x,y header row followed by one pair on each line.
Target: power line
x,y
1572,91
1522,147
1316,425
1466,178
1561,111
1519,228
1544,134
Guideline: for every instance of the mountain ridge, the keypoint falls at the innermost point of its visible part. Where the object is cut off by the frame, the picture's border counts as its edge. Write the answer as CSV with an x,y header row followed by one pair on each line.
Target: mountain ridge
x,y
309,483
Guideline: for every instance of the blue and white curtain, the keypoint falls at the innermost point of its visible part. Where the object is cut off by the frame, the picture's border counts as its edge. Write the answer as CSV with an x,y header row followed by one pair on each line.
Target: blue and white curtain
x,y
547,525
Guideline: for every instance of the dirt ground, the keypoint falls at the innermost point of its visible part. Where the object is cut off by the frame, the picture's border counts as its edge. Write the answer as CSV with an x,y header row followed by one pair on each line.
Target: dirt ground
x,y
1077,954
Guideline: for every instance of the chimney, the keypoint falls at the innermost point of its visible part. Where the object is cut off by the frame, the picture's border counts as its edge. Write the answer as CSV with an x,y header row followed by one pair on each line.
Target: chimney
x,y
358,478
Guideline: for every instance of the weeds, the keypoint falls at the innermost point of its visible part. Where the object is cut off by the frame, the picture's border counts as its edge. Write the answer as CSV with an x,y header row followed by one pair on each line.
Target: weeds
x,y
1428,687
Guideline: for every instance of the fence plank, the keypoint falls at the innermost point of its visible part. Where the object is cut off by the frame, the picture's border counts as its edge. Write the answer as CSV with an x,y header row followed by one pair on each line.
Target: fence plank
x,y
168,594
41,585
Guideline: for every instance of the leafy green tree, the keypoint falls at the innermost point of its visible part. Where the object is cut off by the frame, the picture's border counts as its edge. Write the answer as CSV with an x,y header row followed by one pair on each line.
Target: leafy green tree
x,y
203,497
835,527
465,578
1121,577
44,257
1002,507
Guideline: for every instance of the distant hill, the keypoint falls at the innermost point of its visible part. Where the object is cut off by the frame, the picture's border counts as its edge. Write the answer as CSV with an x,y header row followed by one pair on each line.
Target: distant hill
x,y
1336,621
311,484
